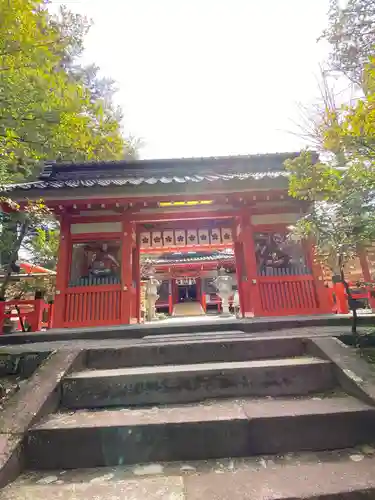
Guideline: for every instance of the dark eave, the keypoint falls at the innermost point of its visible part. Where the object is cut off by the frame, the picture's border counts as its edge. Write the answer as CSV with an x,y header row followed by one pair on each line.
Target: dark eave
x,y
151,172
158,168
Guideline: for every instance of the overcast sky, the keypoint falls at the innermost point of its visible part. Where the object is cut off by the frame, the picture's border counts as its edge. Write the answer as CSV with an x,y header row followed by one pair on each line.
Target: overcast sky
x,y
208,77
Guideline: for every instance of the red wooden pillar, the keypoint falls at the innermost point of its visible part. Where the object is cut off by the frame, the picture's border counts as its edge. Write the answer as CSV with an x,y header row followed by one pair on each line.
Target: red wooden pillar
x,y
62,273
202,295
198,293
240,264
137,278
250,285
126,272
37,315
51,314
341,298
240,273
170,297
174,293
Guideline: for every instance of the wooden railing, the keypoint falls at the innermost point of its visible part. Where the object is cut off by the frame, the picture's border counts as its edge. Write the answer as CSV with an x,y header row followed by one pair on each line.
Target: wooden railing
x,y
287,295
339,299
97,305
34,314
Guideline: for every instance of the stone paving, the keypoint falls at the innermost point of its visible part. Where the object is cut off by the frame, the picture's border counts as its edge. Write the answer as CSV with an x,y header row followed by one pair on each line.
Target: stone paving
x,y
261,478
304,332
287,477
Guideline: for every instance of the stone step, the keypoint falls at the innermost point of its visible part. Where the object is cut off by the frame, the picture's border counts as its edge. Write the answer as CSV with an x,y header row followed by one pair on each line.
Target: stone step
x,y
197,432
325,476
224,346
149,385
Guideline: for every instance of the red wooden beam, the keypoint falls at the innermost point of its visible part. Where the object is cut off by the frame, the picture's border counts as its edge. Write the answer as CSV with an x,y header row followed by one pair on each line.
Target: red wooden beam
x,y
186,224
96,236
186,248
193,218
185,266
108,201
177,216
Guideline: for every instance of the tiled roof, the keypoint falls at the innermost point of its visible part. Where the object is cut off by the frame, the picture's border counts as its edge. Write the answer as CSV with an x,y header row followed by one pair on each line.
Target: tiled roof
x,y
136,181
138,172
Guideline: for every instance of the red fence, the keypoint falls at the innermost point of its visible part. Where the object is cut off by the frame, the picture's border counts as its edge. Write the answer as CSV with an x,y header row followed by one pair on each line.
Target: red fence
x,y
35,314
99,305
339,298
287,295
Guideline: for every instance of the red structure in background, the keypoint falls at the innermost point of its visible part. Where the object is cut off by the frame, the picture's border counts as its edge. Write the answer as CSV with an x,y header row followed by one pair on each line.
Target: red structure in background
x,y
35,313
113,213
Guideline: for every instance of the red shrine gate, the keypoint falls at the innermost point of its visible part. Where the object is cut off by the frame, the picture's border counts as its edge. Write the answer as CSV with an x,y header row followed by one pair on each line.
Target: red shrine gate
x,y
111,213
103,269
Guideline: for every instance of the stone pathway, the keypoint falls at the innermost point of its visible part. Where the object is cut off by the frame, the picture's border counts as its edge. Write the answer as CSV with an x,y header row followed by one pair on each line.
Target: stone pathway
x,y
261,478
305,332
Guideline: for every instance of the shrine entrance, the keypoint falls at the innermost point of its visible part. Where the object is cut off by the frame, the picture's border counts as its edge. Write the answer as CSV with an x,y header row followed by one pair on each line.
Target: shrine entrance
x,y
189,218
187,290
269,274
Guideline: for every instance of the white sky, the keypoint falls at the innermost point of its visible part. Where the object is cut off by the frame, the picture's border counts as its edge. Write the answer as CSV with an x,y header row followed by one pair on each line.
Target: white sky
x,y
208,77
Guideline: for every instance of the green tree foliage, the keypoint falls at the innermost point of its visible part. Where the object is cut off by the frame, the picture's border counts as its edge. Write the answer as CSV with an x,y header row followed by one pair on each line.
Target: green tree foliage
x,y
352,136
341,216
341,189
48,108
340,184
19,225
351,34
51,108
43,244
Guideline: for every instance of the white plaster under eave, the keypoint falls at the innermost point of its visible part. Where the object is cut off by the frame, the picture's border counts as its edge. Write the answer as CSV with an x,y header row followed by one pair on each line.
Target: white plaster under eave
x,y
97,227
274,219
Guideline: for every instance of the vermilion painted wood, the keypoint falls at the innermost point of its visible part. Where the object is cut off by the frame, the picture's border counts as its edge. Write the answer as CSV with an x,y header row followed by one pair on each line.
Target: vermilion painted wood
x,y
203,302
301,277
175,292
187,224
80,306
239,264
96,202
50,316
193,268
341,298
62,273
32,311
186,248
180,216
137,277
287,295
95,237
126,271
93,306
250,286
199,289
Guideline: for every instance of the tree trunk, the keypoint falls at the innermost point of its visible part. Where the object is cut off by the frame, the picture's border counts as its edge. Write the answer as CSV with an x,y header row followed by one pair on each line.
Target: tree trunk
x,y
12,259
352,305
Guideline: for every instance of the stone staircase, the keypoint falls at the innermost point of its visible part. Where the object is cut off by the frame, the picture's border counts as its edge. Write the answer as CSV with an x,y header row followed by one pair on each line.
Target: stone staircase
x,y
188,400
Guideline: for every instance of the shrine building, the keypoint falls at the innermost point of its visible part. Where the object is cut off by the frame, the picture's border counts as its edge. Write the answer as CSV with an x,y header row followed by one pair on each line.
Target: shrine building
x,y
186,218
